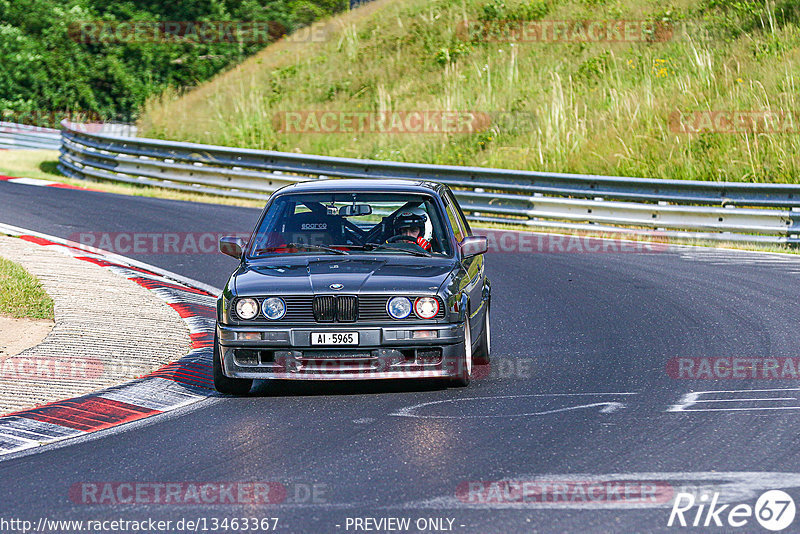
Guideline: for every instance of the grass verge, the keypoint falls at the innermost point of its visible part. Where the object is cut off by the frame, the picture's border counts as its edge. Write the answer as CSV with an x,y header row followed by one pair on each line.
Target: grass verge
x,y
22,295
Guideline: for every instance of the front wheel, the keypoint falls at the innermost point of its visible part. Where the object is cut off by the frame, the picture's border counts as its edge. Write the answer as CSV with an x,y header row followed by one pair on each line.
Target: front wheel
x,y
483,350
465,362
224,384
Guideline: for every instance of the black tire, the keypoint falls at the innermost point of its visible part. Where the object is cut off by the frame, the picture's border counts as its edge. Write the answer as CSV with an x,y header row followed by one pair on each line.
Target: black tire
x,y
465,365
224,384
483,350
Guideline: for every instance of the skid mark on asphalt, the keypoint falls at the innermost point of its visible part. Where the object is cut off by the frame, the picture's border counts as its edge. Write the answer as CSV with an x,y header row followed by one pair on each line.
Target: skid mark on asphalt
x,y
173,386
606,406
789,263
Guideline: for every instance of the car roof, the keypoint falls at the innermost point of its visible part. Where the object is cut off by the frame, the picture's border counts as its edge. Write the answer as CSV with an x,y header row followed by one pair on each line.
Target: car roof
x,y
363,184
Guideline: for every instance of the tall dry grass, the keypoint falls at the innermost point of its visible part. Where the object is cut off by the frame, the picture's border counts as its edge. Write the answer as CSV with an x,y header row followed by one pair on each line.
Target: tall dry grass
x,y
569,107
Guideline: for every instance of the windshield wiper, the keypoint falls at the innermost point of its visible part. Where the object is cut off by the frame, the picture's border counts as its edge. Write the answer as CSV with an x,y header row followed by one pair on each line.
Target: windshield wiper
x,y
376,246
305,246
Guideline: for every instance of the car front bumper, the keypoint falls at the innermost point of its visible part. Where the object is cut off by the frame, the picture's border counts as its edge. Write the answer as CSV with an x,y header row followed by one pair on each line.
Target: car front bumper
x,y
383,352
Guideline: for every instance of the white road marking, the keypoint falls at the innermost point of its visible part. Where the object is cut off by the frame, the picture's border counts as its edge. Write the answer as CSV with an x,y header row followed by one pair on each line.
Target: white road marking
x,y
691,399
31,181
15,444
609,406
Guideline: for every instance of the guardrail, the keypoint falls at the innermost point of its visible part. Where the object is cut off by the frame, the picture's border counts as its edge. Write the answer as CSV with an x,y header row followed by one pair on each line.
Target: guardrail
x,y
16,136
729,211
23,136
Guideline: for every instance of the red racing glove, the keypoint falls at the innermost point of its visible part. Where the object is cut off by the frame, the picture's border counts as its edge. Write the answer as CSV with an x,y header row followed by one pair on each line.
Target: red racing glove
x,y
424,243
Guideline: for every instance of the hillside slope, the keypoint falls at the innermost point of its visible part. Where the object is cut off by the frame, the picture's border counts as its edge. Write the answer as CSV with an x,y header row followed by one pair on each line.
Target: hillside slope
x,y
621,108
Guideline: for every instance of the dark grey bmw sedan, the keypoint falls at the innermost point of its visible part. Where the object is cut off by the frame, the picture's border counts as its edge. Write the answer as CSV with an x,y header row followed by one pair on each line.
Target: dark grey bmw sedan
x,y
354,280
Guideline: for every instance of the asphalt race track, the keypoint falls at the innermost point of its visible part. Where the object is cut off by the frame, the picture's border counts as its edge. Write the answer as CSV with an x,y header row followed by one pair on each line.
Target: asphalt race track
x,y
578,391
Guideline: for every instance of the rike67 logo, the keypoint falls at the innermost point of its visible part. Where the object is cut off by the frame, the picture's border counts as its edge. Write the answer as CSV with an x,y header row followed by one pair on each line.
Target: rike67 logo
x,y
774,510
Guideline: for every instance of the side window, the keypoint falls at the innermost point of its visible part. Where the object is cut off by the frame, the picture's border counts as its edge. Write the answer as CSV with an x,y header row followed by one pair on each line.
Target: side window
x,y
453,205
454,221
462,218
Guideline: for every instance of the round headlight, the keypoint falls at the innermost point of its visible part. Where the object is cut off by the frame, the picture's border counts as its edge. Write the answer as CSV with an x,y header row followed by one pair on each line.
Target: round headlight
x,y
426,307
399,307
246,308
273,308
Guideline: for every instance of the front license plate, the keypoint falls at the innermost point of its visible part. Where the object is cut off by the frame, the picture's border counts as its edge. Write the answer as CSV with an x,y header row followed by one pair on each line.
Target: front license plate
x,y
334,338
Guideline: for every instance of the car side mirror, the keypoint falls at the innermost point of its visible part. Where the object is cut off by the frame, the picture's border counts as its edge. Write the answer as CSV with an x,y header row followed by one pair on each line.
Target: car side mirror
x,y
232,246
473,245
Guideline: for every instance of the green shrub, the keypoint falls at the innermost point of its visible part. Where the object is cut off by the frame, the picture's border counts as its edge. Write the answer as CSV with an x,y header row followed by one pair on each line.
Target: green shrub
x,y
46,68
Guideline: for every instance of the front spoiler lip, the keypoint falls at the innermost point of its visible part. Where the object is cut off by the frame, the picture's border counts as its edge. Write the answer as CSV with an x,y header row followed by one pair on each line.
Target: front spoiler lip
x,y
367,368
385,375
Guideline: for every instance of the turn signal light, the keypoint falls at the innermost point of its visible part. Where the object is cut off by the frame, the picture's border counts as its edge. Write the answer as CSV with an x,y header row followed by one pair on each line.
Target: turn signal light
x,y
424,334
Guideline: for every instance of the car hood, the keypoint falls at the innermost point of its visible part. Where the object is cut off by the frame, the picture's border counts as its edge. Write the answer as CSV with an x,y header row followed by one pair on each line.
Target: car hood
x,y
314,275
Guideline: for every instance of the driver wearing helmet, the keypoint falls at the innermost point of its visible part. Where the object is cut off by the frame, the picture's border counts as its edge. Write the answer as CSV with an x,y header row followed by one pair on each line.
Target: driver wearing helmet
x,y
414,224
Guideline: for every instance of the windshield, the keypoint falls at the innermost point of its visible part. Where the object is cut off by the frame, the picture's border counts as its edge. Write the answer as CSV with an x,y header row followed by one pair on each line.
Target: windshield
x,y
342,223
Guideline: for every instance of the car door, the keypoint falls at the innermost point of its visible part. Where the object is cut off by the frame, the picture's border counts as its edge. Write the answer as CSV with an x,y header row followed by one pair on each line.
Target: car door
x,y
473,280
